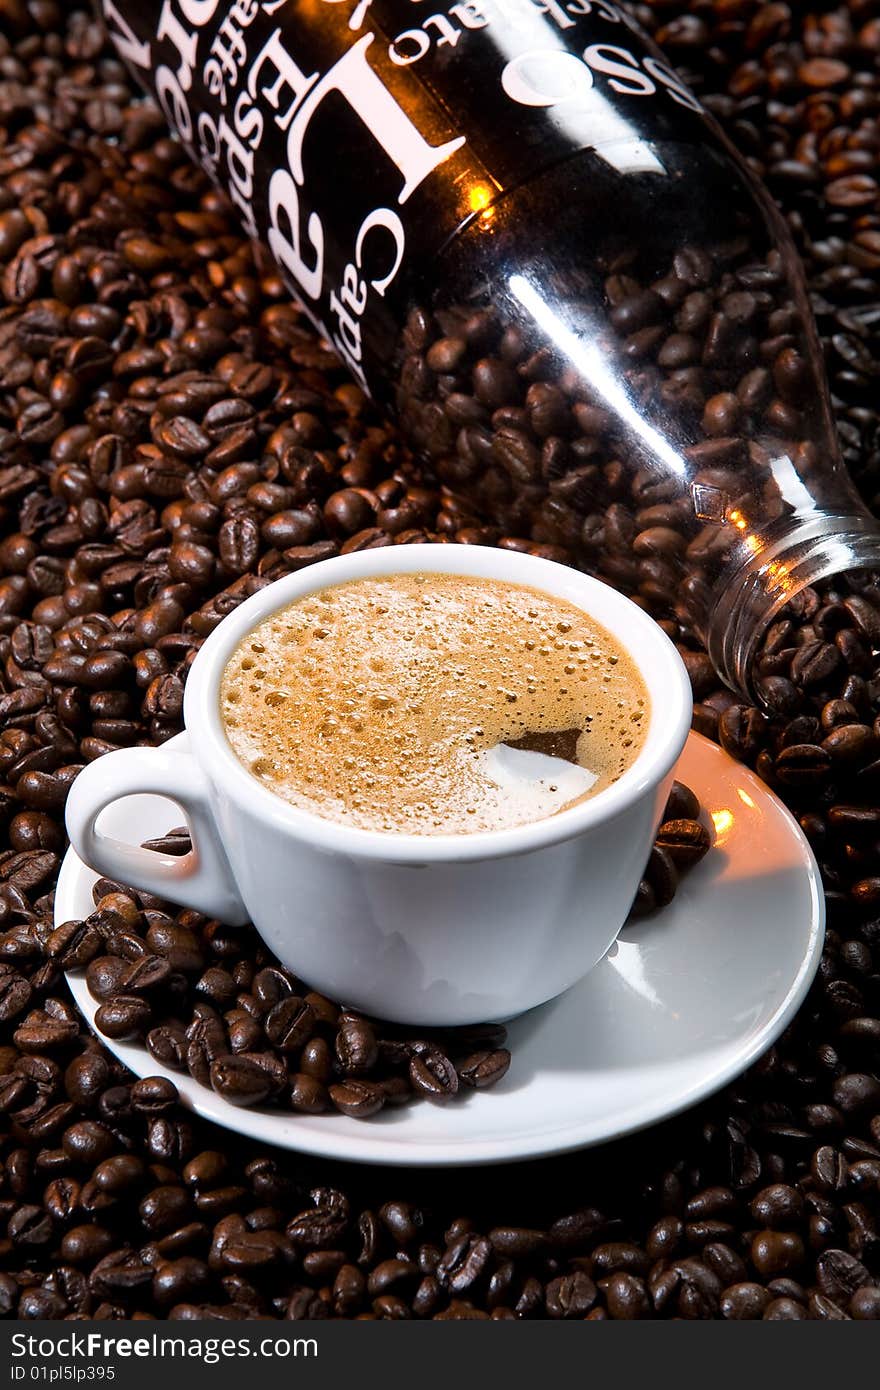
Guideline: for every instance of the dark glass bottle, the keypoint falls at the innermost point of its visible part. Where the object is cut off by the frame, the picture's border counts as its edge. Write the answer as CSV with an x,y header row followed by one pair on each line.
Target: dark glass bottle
x,y
522,232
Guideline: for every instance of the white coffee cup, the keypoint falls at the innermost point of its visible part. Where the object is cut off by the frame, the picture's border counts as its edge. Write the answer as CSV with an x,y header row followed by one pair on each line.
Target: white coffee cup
x,y
425,929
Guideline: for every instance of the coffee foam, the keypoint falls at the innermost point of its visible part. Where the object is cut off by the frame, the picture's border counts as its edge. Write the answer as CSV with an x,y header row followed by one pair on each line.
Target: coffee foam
x,y
384,703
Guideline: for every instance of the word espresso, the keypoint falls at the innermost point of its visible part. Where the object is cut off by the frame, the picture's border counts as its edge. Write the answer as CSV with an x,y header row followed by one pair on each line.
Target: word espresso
x,y
433,704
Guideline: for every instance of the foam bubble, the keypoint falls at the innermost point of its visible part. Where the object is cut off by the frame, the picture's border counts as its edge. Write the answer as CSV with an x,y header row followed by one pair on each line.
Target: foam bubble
x,y
417,683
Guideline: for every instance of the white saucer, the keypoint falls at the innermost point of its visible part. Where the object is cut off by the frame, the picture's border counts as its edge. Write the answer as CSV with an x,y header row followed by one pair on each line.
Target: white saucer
x,y
683,1002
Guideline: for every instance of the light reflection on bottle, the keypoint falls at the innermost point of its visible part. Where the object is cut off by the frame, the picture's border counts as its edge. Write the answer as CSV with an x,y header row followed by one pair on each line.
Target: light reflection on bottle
x,y
595,367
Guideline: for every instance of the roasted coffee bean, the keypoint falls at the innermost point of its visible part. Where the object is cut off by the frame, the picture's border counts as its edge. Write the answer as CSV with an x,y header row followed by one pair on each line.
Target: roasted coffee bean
x,y
240,1081
29,1228
865,1304
803,765
270,985
776,1252
74,944
167,1044
741,731
431,1072
153,1095
685,841
119,1274
169,1140
179,945
357,1097
356,1048
15,993
104,975
682,804
661,877
308,1094
315,1060
572,1296
40,1031
778,1206
163,1209
63,1200
88,1142
86,1077
289,1023
626,1297
84,1245
14,1090
144,974
324,1223
840,1275
176,1280
856,1092
784,1310
120,1174
515,1242
482,1069
123,1017
745,1301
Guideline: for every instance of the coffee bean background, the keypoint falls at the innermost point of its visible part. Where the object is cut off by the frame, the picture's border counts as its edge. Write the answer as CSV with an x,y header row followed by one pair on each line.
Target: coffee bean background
x,y
172,437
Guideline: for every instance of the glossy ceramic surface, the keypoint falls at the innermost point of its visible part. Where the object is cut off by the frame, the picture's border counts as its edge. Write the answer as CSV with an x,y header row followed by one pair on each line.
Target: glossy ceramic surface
x,y
428,929
682,1002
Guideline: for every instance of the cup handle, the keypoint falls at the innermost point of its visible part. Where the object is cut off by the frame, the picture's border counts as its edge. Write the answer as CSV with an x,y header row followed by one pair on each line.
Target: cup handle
x,y
201,879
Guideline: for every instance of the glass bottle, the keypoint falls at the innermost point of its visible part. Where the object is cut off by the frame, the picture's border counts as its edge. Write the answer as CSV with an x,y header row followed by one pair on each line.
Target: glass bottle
x,y
523,233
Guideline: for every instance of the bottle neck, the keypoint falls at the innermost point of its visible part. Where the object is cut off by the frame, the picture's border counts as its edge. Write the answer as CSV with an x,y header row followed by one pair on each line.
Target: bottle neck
x,y
752,594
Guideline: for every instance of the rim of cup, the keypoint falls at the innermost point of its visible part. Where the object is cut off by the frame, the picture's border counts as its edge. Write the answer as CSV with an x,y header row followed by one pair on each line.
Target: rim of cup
x,y
655,656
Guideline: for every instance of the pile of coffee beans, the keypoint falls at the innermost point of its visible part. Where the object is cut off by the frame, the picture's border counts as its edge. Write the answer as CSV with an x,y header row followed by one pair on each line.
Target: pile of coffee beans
x,y
210,1000
172,436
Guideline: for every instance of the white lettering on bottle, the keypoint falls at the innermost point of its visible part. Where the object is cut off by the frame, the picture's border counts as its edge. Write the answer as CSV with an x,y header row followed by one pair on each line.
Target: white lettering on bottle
x,y
285,246
173,102
555,12
353,78
546,77
400,56
470,15
676,88
600,8
171,28
209,142
354,291
229,45
389,221
128,46
198,12
349,327
287,74
239,160
248,120
445,28
624,75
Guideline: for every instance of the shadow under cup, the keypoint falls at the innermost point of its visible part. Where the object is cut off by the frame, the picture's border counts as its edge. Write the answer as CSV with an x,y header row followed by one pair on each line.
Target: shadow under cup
x,y
421,929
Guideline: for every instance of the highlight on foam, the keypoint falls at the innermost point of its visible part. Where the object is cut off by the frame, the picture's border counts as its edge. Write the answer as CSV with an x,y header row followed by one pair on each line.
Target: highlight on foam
x,y
388,704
